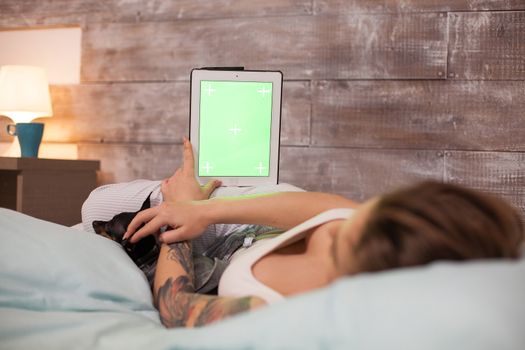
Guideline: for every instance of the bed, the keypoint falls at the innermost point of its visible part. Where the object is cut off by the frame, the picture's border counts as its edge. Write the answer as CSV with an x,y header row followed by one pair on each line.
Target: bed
x,y
62,288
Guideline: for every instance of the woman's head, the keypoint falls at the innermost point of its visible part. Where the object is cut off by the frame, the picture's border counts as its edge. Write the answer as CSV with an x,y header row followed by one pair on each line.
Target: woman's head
x,y
434,221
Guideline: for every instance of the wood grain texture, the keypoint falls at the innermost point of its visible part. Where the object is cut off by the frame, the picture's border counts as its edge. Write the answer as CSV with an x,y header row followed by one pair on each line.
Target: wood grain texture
x,y
8,189
127,162
477,115
48,189
39,164
357,173
487,45
296,113
26,13
327,47
55,196
137,112
366,104
149,112
389,6
500,173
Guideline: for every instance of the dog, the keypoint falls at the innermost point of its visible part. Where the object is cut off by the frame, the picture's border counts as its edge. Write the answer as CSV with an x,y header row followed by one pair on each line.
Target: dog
x,y
144,253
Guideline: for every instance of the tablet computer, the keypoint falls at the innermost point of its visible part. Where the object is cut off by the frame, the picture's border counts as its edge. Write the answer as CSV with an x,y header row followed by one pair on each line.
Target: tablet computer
x,y
235,120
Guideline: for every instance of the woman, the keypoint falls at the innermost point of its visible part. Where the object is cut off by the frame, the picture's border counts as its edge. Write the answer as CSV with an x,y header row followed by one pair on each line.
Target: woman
x,y
328,237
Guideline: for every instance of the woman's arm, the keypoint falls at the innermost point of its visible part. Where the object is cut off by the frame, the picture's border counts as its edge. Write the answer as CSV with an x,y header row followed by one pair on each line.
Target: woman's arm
x,y
173,289
283,210
184,210
190,219
175,297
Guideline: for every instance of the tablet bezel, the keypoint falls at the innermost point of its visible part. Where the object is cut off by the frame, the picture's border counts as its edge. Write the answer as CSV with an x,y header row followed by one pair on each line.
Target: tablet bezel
x,y
276,78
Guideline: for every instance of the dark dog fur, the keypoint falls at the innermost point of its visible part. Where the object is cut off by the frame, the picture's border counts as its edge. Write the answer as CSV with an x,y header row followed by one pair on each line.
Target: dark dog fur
x,y
144,253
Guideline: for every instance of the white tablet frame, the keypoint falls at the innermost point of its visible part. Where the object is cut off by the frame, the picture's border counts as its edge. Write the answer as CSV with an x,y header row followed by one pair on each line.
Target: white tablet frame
x,y
276,78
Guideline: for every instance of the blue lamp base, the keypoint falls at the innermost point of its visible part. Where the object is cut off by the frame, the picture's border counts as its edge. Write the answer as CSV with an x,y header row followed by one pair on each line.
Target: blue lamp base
x,y
29,137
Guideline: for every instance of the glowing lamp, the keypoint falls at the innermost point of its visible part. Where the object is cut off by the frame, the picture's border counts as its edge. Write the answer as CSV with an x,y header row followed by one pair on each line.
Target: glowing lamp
x,y
24,96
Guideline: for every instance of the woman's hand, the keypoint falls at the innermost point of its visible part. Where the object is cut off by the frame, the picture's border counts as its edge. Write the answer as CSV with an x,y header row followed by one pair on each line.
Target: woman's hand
x,y
177,212
182,185
186,220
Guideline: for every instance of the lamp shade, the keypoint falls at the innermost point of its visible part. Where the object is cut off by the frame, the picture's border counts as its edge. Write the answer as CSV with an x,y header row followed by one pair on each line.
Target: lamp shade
x,y
24,93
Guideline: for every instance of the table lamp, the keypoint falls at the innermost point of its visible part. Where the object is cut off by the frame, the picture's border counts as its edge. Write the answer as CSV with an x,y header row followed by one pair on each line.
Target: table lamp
x,y
24,96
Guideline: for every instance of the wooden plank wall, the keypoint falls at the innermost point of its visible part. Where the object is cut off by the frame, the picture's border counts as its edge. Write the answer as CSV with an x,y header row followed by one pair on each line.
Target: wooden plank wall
x,y
377,93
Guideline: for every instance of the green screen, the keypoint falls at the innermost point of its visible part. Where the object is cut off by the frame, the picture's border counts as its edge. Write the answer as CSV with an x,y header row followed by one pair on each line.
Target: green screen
x,y
235,128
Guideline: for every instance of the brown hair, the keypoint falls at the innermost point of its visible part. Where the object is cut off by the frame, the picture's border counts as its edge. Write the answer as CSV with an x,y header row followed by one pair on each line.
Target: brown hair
x,y
436,221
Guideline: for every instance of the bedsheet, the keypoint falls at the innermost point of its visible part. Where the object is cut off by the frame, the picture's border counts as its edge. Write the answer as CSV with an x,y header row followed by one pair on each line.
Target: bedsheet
x,y
62,288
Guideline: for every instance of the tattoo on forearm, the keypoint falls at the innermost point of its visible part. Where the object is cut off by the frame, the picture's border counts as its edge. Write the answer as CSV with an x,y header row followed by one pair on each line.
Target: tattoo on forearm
x,y
182,253
167,300
217,308
179,306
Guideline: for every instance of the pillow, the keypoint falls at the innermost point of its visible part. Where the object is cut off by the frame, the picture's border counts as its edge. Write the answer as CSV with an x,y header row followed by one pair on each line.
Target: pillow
x,y
468,306
65,272
45,266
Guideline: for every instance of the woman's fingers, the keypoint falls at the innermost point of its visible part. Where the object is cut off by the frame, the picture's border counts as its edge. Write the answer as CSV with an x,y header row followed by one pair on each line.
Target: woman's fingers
x,y
210,187
139,219
151,227
173,236
187,157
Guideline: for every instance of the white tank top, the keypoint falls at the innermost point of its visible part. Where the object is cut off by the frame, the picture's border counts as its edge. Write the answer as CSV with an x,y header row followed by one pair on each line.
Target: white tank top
x,y
238,279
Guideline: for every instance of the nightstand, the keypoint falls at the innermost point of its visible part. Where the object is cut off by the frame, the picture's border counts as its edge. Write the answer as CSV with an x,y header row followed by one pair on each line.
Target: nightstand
x,y
49,189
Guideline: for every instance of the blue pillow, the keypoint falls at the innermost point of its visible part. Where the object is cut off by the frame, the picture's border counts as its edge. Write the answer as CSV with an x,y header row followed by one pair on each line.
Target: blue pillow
x,y
45,266
63,288
465,306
